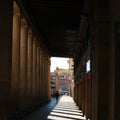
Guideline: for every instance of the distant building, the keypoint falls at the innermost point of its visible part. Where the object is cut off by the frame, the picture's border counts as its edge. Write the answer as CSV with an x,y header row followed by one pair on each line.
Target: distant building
x,y
52,77
64,82
62,79
71,69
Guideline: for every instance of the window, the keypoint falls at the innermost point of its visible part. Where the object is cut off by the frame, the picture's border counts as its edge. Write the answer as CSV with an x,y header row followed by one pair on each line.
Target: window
x,y
88,66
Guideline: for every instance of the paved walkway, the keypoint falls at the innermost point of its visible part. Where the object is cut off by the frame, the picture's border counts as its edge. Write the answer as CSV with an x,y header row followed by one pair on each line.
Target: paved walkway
x,y
63,109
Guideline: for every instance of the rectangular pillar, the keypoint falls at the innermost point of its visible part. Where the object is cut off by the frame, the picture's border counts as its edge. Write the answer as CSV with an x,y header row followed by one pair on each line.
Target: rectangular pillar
x,y
117,73
115,59
102,60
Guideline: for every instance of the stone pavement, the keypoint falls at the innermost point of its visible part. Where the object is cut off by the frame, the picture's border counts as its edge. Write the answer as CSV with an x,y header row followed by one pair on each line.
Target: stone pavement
x,y
63,109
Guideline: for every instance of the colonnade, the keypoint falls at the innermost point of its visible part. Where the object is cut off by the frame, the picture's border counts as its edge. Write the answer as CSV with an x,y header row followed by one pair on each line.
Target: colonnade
x,y
25,62
30,65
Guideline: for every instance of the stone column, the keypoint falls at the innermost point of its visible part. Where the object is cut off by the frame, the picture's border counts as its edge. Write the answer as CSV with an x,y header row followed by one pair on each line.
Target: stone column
x,y
87,97
80,94
42,76
6,19
40,83
76,93
83,96
15,58
38,73
34,70
45,77
49,82
102,60
23,63
43,80
40,90
29,67
78,97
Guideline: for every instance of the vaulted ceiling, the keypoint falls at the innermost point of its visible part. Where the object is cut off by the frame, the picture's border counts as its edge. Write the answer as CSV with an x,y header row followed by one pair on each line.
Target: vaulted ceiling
x,y
58,22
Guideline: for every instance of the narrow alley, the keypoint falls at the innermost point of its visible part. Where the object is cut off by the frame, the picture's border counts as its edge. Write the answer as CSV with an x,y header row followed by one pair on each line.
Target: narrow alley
x,y
63,109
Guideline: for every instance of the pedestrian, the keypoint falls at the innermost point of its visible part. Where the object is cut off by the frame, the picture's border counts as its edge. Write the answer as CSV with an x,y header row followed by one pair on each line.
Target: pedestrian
x,y
57,95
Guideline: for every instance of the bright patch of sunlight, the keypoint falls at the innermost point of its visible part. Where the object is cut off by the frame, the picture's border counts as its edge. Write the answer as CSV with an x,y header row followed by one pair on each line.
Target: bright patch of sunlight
x,y
68,99
67,115
68,112
58,118
66,109
58,62
73,110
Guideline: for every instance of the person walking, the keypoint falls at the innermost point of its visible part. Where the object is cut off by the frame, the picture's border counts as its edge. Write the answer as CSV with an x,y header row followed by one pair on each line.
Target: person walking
x,y
57,95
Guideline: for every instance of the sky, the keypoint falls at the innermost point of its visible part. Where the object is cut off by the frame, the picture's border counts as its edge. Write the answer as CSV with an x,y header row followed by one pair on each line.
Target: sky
x,y
58,62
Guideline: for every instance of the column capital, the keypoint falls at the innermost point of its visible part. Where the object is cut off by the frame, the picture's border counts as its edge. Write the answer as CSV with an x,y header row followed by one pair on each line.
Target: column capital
x,y
16,9
48,60
34,38
39,47
30,33
24,22
42,52
38,44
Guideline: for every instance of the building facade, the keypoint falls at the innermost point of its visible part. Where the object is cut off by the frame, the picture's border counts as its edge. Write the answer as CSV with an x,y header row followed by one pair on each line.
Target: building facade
x,y
53,83
65,80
